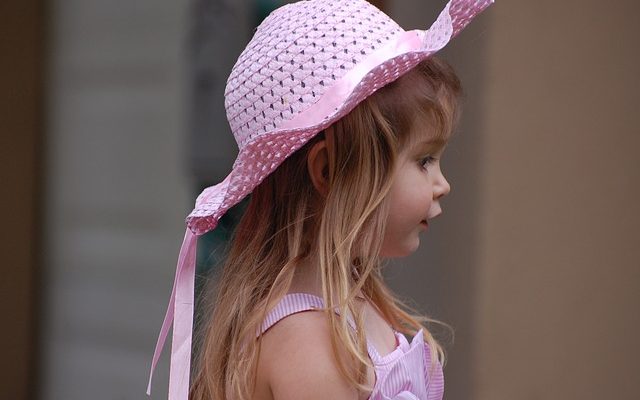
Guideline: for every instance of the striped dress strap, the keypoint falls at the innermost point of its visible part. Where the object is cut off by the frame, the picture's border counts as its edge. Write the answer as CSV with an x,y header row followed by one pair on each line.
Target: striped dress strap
x,y
298,302
290,304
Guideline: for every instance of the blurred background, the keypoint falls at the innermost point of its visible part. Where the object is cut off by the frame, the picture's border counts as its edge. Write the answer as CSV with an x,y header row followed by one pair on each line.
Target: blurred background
x,y
112,121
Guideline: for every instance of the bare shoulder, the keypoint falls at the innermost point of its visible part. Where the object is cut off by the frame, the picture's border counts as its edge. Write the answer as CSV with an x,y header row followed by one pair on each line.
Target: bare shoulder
x,y
297,361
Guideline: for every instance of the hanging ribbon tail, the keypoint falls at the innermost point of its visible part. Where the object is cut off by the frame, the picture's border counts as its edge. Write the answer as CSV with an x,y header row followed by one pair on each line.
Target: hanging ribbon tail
x,y
180,313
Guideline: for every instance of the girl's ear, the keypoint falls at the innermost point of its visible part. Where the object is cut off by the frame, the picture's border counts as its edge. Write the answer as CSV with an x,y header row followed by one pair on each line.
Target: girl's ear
x,y
318,166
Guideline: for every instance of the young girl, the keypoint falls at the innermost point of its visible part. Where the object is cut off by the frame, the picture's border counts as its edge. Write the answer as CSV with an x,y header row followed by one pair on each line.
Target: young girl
x,y
341,118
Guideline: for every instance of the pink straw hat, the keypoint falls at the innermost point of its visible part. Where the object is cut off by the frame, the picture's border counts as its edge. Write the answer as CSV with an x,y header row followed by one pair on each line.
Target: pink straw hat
x,y
308,65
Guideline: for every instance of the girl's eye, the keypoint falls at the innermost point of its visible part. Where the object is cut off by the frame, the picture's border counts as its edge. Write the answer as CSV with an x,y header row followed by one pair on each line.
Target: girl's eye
x,y
426,161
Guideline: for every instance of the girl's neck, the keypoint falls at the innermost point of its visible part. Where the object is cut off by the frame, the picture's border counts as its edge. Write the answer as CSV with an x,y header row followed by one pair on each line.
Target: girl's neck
x,y
307,278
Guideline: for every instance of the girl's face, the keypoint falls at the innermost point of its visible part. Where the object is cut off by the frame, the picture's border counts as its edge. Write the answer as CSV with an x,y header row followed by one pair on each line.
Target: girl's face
x,y
414,197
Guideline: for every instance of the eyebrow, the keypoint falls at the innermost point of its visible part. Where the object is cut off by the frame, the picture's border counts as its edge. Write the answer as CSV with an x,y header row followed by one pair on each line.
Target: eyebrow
x,y
431,143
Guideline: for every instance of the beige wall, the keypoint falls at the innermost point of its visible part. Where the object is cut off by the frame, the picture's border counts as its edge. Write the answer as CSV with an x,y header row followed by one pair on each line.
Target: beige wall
x,y
559,269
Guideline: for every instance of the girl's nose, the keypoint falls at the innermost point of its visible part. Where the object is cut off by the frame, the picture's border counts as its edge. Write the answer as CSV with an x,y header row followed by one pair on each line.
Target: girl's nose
x,y
442,187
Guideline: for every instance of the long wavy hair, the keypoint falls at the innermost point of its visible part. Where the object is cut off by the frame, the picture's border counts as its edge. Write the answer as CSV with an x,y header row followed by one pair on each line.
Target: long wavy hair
x,y
287,221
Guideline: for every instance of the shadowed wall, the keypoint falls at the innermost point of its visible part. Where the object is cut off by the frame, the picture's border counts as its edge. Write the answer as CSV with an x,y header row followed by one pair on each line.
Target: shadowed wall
x,y
21,75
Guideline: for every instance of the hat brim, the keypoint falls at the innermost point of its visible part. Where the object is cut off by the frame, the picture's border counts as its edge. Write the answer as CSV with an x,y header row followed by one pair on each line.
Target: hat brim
x,y
378,69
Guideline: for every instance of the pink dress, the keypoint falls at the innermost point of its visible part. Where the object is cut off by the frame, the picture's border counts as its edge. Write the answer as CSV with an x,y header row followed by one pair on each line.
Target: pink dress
x,y
403,374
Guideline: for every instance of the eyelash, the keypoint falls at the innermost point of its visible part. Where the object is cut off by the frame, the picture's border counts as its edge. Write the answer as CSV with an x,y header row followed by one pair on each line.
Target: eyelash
x,y
426,161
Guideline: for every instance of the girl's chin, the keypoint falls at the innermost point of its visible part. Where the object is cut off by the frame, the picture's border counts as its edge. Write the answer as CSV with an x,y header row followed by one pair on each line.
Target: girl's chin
x,y
400,251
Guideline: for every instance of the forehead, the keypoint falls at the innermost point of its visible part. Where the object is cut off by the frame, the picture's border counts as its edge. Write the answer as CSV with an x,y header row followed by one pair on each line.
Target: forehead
x,y
425,134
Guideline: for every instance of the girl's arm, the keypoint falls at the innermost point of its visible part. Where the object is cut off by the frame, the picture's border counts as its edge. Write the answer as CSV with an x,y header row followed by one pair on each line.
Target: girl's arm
x,y
298,362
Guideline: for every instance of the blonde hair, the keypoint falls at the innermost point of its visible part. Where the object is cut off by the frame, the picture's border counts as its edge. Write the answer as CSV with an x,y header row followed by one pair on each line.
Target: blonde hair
x,y
287,221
